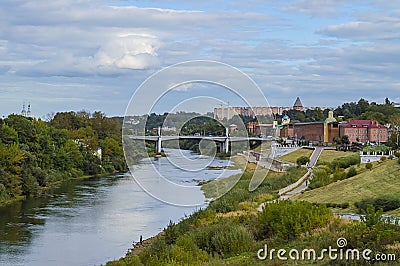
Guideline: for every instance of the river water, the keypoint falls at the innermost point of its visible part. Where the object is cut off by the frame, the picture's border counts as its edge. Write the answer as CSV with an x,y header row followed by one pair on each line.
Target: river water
x,y
90,222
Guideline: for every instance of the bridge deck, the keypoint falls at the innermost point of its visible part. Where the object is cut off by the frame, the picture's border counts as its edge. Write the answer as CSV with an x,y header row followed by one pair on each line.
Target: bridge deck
x,y
219,139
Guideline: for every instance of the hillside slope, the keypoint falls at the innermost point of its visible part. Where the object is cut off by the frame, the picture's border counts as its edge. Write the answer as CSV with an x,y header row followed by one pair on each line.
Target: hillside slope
x,y
382,180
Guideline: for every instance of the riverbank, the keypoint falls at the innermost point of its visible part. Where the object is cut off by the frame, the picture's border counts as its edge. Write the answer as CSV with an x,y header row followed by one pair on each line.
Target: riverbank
x,y
43,190
230,231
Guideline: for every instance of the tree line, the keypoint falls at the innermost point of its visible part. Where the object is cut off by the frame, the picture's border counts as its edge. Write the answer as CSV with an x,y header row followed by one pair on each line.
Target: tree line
x,y
35,154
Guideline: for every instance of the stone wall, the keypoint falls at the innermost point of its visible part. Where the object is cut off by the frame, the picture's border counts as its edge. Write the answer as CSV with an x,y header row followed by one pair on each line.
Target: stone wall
x,y
369,157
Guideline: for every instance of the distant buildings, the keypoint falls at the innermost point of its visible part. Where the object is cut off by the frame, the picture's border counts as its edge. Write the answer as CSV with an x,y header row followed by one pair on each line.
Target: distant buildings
x,y
229,112
365,130
26,112
320,132
256,128
298,106
326,131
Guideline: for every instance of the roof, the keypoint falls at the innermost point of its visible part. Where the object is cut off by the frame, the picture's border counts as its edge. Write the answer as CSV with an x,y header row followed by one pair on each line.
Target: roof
x,y
308,123
297,103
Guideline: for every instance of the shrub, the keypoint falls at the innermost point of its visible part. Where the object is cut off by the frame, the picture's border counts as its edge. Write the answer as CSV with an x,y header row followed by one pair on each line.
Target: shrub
x,y
372,217
338,205
287,219
386,203
397,154
391,157
3,192
383,158
233,241
339,174
345,162
321,177
302,160
186,252
223,205
352,172
368,166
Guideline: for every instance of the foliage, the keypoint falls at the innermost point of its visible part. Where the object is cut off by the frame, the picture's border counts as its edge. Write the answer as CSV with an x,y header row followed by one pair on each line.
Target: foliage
x,y
365,110
287,219
386,203
321,177
35,154
351,172
230,201
372,218
345,162
368,166
235,239
339,174
302,160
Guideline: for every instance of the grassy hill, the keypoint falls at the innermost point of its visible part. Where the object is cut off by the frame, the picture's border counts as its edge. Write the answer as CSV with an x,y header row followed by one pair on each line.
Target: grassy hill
x,y
292,157
382,180
330,155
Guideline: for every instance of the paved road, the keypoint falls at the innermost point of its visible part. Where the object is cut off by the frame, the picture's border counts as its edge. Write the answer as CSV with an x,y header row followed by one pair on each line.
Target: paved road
x,y
314,156
313,160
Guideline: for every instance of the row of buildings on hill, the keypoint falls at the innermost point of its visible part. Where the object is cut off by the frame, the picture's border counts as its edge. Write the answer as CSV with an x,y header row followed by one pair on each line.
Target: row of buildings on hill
x,y
357,131
222,113
326,131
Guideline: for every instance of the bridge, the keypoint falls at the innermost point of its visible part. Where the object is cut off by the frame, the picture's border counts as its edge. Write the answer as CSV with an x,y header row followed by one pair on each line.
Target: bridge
x,y
224,141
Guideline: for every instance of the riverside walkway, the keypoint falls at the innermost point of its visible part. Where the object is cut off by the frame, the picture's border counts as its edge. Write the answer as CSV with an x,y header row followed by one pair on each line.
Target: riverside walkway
x,y
302,183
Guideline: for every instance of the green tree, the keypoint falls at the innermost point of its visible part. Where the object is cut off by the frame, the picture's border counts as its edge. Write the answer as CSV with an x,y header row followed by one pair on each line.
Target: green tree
x,y
302,160
9,135
11,158
112,154
351,172
67,120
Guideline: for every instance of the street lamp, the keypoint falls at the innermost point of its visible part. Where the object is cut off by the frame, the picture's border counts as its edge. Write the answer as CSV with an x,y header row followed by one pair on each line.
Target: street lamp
x,y
397,138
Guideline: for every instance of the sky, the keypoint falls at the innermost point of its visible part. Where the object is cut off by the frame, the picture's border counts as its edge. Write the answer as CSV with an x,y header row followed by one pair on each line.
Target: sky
x,y
65,55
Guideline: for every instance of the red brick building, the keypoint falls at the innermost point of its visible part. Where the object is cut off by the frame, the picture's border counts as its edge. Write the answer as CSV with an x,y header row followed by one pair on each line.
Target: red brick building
x,y
365,130
356,130
312,131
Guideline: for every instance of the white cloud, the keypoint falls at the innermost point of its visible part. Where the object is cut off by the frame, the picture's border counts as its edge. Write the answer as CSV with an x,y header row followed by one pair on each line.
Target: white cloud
x,y
320,8
130,52
376,28
339,47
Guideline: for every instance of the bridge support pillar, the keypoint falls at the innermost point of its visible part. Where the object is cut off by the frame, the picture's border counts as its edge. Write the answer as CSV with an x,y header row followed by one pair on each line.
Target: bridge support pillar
x,y
158,145
225,146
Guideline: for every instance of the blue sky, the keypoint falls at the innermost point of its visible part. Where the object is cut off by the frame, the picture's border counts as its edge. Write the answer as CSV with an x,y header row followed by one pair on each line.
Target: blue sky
x,y
92,54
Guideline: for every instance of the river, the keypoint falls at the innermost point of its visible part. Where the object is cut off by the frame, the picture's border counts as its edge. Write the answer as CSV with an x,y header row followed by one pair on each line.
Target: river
x,y
92,221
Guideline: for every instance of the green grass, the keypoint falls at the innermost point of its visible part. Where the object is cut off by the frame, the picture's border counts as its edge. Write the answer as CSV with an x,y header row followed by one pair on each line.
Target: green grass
x,y
292,157
382,180
330,155
217,187
265,148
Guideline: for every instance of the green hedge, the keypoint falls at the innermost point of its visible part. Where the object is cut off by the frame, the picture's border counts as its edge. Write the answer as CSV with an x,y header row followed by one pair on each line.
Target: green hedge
x,y
386,203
